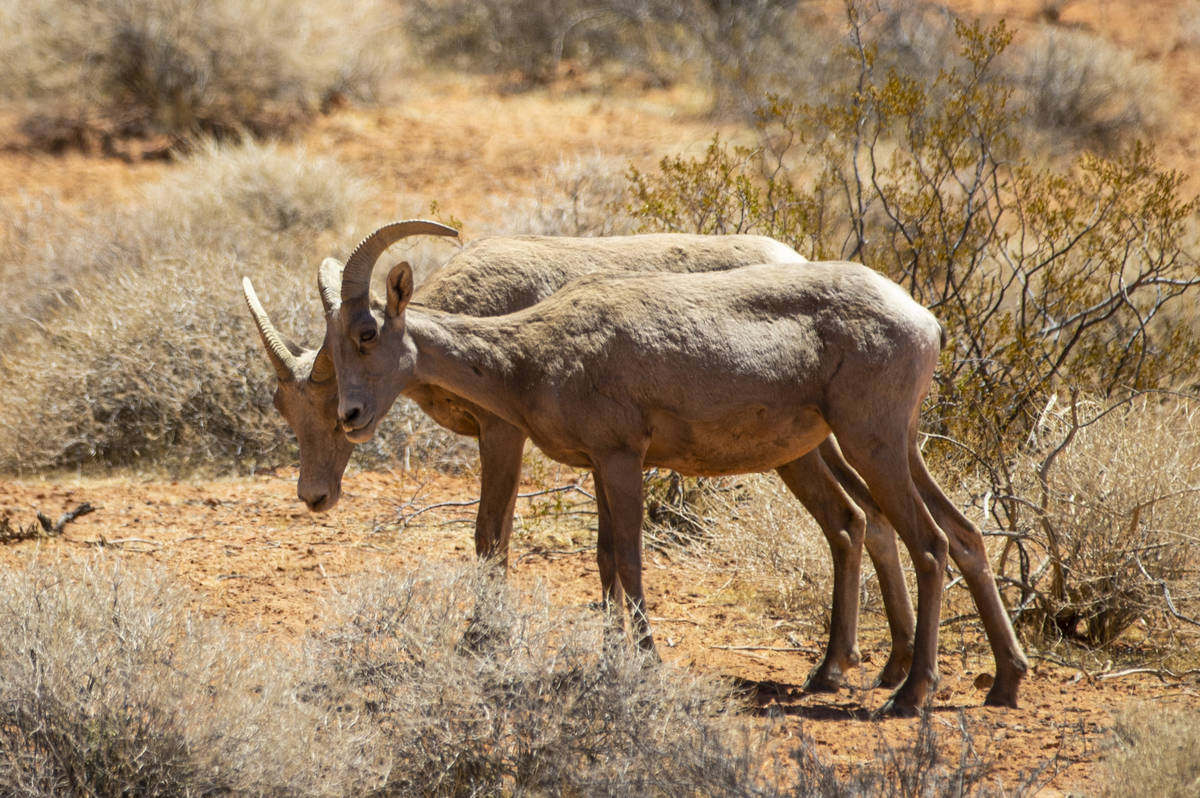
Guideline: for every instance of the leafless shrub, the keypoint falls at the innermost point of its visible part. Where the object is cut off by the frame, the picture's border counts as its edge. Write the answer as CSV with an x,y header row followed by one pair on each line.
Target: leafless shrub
x,y
527,37
933,764
1084,88
1156,752
740,49
582,196
121,68
1109,498
911,37
129,339
440,682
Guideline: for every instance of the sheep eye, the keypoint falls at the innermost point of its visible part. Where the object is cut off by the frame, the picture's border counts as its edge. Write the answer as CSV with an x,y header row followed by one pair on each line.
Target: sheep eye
x,y
366,336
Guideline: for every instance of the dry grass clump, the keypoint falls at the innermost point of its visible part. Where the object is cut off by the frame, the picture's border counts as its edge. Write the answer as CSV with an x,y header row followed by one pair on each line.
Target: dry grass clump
x,y
933,764
754,529
737,49
1083,88
127,338
111,685
446,684
107,70
1155,753
485,691
1109,498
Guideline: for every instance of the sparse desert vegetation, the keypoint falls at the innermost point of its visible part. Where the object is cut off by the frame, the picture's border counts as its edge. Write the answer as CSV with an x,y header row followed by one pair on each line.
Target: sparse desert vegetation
x,y
1028,180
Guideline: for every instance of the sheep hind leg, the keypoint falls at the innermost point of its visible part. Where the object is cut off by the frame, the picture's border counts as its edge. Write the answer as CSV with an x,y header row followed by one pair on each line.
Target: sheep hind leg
x,y
882,462
885,556
843,524
969,554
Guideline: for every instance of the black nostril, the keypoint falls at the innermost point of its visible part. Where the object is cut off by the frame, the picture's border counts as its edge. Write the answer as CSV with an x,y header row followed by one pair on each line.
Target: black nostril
x,y
350,415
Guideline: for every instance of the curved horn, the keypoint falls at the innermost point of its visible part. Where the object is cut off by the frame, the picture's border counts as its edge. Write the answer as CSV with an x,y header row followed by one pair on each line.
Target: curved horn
x,y
329,276
356,277
281,357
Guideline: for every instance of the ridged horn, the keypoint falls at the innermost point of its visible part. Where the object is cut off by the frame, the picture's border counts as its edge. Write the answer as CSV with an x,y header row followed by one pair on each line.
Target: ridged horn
x,y
356,277
329,277
281,357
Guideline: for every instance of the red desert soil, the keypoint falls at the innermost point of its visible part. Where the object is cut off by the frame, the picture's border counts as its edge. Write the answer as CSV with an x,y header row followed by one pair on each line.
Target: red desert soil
x,y
257,557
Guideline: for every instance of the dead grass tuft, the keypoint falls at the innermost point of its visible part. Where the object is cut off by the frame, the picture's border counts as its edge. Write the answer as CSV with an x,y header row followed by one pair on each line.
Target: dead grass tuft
x,y
424,684
1111,498
582,196
754,529
488,691
111,685
1155,752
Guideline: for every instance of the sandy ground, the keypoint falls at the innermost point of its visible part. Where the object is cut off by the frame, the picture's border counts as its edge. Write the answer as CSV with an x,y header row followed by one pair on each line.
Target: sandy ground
x,y
256,557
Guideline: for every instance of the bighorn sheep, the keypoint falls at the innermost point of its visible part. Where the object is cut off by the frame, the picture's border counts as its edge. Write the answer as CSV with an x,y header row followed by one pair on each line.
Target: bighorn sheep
x,y
713,373
499,275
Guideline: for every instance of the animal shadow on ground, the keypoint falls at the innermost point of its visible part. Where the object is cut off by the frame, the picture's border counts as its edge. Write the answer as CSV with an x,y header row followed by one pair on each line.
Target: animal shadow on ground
x,y
771,698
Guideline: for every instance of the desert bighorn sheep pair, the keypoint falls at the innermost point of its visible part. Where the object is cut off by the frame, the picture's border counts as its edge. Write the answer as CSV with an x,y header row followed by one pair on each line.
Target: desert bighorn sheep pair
x,y
713,373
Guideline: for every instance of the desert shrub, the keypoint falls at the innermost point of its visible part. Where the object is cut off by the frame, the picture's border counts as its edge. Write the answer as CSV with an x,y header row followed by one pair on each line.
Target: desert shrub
x,y
736,48
485,691
112,685
1083,88
141,67
128,339
1106,540
443,681
754,529
528,37
1045,279
1155,752
931,764
575,197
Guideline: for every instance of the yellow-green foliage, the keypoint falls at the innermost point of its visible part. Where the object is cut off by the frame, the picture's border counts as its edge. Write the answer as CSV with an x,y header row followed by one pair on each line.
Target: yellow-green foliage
x,y
1041,277
1048,281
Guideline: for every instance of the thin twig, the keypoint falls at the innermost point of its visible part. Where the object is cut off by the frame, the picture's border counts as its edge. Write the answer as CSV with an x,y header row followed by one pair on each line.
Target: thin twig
x,y
118,543
1162,673
407,519
791,649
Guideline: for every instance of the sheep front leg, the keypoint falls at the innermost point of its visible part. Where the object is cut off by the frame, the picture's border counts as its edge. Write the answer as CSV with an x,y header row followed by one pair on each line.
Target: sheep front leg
x,y
500,448
620,476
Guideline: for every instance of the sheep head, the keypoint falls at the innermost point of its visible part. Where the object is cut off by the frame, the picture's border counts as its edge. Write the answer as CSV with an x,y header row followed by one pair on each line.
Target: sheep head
x,y
372,338
306,395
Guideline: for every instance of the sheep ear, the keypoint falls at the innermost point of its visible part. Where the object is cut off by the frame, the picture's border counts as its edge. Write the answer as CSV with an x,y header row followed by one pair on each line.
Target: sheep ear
x,y
399,288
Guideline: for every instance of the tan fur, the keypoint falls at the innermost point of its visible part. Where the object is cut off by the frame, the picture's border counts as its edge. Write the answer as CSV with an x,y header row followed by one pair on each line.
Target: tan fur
x,y
714,373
